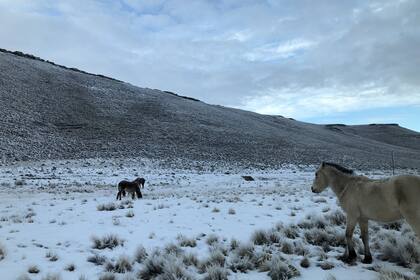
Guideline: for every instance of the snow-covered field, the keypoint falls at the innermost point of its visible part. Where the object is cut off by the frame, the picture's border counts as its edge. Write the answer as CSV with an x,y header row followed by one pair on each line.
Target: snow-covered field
x,y
193,224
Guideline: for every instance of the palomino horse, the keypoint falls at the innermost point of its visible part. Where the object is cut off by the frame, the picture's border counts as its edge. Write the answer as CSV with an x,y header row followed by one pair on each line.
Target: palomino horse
x,y
130,187
365,199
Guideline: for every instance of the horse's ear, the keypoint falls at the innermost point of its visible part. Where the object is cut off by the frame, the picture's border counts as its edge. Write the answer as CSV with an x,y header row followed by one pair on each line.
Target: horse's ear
x,y
323,164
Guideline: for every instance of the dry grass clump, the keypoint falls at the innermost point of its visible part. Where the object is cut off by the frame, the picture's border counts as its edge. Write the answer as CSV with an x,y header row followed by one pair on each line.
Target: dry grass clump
x,y
129,214
400,248
393,275
153,266
212,239
33,269
231,211
186,242
305,263
336,218
260,237
106,207
107,276
141,254
163,266
280,270
23,277
122,265
109,241
70,267
51,256
97,259
52,276
325,237
173,249
2,252
216,258
216,273
190,259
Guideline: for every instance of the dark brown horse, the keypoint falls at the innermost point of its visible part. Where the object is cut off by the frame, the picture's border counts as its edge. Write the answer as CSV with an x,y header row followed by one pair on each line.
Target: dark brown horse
x,y
131,187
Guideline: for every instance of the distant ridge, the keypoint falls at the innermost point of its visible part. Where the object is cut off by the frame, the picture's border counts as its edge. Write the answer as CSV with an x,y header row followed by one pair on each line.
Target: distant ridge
x,y
30,56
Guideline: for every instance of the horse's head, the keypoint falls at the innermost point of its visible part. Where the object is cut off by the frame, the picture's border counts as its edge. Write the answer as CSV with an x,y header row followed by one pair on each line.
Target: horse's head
x,y
138,180
321,180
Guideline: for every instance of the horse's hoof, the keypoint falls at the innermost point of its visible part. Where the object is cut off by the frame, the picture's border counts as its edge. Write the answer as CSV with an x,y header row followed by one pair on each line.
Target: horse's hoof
x,y
347,259
367,260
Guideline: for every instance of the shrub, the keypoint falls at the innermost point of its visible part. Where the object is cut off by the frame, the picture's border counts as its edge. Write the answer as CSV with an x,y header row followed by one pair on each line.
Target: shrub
x,y
231,211
129,214
24,277
153,266
122,265
173,249
245,250
233,244
2,252
174,269
305,263
52,276
291,231
216,257
242,264
402,249
336,218
260,237
70,267
97,259
215,272
326,265
106,207
141,254
393,275
20,182
212,239
107,276
53,257
280,270
287,248
33,269
109,241
190,259
186,242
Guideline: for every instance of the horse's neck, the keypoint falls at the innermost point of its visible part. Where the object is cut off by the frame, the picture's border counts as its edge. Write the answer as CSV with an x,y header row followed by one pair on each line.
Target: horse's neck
x,y
339,182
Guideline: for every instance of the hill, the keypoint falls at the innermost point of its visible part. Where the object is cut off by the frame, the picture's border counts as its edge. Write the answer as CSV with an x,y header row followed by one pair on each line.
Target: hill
x,y
48,111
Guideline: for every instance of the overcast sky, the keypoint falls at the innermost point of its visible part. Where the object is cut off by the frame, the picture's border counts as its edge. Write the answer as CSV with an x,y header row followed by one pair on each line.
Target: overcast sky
x,y
318,61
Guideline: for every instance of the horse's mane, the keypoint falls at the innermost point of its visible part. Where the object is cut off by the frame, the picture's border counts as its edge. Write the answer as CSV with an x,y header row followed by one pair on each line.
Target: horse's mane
x,y
339,167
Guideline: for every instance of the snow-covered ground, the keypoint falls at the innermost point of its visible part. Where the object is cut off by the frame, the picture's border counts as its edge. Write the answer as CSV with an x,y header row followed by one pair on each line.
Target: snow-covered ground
x,y
50,214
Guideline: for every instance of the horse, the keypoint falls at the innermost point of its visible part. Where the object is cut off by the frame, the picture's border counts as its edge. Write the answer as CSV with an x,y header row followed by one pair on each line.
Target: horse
x,y
130,187
364,199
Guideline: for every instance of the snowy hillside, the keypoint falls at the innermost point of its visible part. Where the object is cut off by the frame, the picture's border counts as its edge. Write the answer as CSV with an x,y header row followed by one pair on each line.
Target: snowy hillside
x,y
52,112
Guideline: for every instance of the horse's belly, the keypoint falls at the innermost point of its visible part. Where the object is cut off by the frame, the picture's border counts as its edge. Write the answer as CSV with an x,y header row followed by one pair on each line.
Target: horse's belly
x,y
382,214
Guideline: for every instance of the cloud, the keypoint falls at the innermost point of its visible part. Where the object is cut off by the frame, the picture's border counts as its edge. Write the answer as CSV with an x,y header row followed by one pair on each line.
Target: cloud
x,y
307,103
295,58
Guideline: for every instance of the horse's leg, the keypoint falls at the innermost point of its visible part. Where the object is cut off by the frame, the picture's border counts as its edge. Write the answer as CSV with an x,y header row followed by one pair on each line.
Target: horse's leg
x,y
364,231
133,196
350,254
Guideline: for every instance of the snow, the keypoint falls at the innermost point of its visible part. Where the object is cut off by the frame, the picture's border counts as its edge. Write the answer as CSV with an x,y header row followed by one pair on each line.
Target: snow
x,y
64,196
